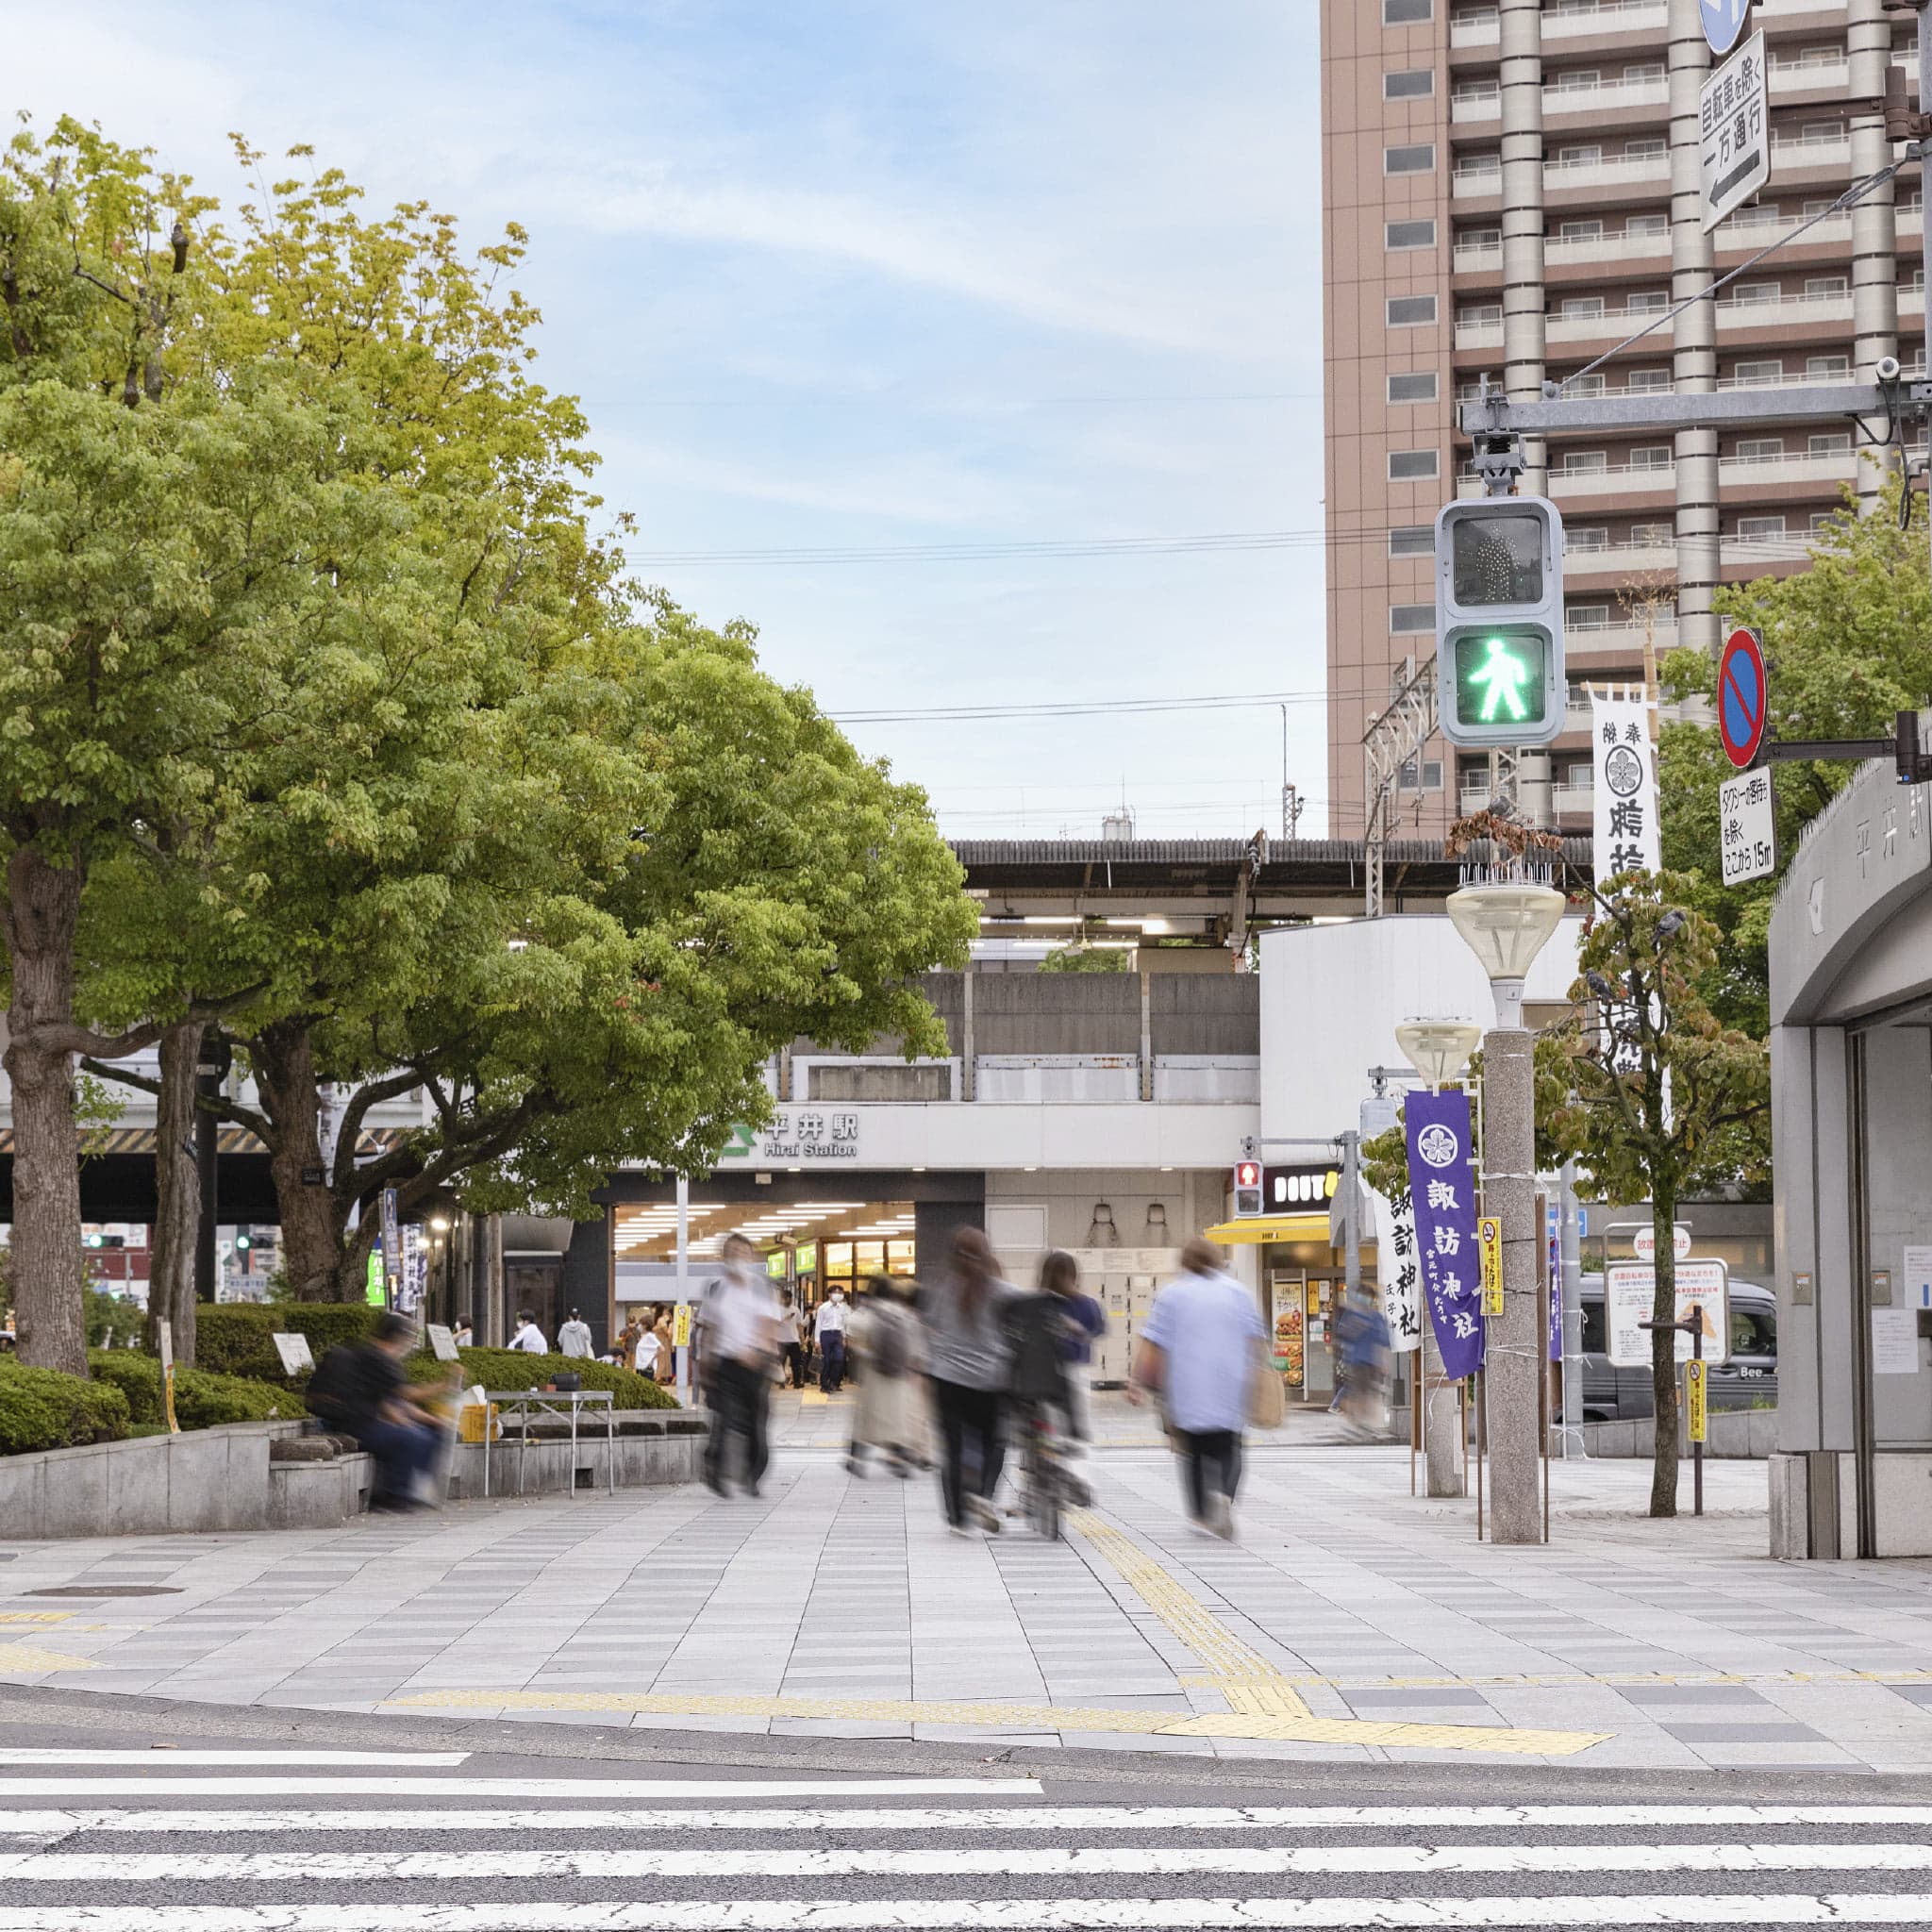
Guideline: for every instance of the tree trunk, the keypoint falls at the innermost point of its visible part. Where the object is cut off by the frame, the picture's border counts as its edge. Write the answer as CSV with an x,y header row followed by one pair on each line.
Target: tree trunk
x,y
177,1218
312,1219
1663,1347
41,915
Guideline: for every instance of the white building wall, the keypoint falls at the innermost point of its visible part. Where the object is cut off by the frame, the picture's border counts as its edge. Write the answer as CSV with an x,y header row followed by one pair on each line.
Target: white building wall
x,y
1332,996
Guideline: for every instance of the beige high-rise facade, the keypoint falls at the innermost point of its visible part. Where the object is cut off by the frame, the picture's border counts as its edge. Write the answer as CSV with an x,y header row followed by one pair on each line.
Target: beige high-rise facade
x,y
1499,200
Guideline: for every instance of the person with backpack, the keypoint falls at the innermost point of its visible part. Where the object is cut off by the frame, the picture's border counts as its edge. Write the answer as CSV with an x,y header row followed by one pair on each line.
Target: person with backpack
x,y
358,1390
966,1347
883,1336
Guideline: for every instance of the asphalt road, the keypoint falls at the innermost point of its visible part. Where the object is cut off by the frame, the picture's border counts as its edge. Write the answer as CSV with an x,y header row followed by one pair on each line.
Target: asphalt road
x,y
133,1815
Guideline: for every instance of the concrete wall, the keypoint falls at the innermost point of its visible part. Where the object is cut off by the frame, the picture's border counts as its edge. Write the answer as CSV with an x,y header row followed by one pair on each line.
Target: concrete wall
x,y
645,1458
1736,1435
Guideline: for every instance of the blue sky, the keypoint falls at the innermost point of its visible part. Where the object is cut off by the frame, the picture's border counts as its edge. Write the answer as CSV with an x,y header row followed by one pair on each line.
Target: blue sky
x,y
875,274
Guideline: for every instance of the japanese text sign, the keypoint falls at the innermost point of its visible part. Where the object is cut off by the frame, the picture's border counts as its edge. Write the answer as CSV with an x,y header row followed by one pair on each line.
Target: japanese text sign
x,y
1441,1180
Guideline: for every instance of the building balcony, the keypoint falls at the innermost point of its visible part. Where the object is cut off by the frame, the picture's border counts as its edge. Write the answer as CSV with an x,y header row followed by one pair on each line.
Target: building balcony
x,y
1623,97
1782,312
1475,102
1752,229
1481,260
1479,335
1809,79
1474,29
1829,468
1617,642
1620,561
1807,153
1572,20
1574,799
1577,251
1612,479
1476,179
1607,326
1614,172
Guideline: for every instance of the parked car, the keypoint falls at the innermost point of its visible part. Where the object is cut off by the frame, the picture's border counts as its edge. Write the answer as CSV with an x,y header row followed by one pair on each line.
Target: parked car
x,y
1747,1380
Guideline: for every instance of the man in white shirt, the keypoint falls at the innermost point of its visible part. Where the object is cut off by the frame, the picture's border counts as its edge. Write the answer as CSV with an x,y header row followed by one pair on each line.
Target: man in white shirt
x,y
738,1343
828,1331
1200,1347
574,1338
528,1338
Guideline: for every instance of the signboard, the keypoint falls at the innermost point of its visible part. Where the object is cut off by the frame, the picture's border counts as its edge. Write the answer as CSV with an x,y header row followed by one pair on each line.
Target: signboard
x,y
1894,1341
680,1326
1442,1184
1723,22
1285,1295
1696,1400
441,1341
1733,131
294,1352
1488,1235
797,1135
391,1243
1742,695
1918,1278
1630,1292
164,1341
1625,799
1747,828
1398,1271
1643,1240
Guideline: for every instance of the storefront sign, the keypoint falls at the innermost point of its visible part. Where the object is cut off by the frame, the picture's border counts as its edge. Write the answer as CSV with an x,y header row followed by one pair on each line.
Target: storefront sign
x,y
1630,1293
1401,1275
799,1133
1442,1184
1625,795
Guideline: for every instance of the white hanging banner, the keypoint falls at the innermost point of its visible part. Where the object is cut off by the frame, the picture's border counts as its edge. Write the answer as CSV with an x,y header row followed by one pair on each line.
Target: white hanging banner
x,y
1624,762
1397,1272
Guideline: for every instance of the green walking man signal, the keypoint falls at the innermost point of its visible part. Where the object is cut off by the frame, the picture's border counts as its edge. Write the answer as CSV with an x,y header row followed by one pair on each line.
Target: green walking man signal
x,y
1499,620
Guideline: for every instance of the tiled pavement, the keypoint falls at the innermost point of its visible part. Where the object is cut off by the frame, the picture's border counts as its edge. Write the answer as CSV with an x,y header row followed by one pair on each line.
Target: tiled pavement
x,y
839,1606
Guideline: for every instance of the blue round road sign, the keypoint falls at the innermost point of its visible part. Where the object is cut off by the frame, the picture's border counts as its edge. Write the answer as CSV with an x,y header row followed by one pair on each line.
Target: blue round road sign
x,y
1723,21
1742,694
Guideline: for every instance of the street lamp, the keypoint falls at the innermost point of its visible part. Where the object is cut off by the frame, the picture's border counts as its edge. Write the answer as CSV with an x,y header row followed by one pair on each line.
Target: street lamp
x,y
1506,923
1437,1050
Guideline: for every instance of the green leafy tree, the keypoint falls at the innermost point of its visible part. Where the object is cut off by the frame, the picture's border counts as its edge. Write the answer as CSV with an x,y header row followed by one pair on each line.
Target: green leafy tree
x,y
1079,958
1652,1095
1849,644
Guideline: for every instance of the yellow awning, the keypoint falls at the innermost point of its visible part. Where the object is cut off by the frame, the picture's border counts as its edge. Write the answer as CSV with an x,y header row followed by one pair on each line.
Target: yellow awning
x,y
1250,1231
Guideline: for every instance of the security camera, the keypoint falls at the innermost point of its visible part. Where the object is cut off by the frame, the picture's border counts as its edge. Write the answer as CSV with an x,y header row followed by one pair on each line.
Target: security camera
x,y
1888,369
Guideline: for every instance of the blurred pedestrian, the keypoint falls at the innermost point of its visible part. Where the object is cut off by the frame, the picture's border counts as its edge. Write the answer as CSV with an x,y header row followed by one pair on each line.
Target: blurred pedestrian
x,y
964,1313
528,1338
1200,1350
883,1338
829,1332
737,1344
1085,1322
574,1338
358,1388
666,1368
461,1330
1361,1344
639,1345
789,1351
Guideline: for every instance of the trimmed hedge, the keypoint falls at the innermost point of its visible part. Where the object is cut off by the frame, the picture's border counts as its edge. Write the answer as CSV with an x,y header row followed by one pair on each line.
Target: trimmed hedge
x,y
510,1368
41,1409
237,1337
202,1401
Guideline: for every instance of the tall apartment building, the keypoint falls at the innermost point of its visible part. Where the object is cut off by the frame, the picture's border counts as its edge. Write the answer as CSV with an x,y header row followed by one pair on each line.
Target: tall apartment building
x,y
1499,200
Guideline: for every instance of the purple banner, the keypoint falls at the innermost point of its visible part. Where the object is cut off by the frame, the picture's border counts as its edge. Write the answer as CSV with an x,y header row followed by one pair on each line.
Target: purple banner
x,y
1556,1284
1441,1180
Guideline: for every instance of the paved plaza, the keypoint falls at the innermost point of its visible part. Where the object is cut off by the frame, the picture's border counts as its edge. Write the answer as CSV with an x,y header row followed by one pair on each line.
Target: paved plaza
x,y
1352,1622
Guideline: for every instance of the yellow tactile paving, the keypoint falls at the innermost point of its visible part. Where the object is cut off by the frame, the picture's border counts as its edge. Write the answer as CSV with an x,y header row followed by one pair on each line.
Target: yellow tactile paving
x,y
1224,1654
35,1615
1026,1717
20,1659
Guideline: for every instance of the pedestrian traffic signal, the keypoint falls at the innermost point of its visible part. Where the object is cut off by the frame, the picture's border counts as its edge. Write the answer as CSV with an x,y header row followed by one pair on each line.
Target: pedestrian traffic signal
x,y
1499,620
1247,1187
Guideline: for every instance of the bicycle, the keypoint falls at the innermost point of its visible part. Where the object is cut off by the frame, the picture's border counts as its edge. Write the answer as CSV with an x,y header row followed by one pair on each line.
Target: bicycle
x,y
1048,1485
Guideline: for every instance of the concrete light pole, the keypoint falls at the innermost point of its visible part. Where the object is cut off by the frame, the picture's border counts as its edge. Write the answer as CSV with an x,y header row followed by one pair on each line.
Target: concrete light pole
x,y
1437,1050
1506,923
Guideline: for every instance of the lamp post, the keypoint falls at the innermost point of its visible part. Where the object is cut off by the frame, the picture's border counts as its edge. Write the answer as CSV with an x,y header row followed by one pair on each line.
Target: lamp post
x,y
1506,923
1437,1050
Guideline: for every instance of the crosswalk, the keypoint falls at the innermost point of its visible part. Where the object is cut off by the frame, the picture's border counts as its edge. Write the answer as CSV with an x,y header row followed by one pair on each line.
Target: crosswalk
x,y
433,1847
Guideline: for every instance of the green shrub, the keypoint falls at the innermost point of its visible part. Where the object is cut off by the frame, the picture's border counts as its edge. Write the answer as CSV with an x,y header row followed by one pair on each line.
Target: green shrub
x,y
41,1409
201,1401
509,1368
237,1337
